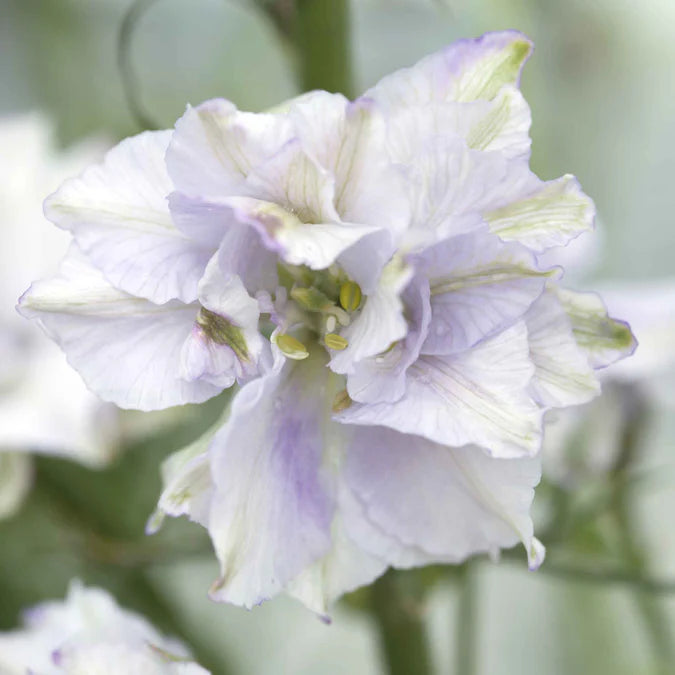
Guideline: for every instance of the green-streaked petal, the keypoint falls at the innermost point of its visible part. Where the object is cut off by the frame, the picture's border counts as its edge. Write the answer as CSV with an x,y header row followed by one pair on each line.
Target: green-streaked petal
x,y
467,70
550,215
603,339
562,375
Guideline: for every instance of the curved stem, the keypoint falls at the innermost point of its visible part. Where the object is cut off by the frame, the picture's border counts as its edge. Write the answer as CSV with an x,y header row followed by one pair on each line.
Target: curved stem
x,y
401,626
125,63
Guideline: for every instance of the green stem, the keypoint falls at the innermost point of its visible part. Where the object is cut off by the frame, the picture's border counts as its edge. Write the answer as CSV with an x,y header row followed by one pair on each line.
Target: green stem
x,y
401,626
465,649
322,41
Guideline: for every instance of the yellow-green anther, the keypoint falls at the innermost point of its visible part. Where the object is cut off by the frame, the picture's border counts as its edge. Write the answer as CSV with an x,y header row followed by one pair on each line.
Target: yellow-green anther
x,y
311,299
221,331
335,341
350,296
342,401
292,347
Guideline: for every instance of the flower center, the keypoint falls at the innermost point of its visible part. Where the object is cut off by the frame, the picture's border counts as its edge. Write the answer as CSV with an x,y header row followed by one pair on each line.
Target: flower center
x,y
322,303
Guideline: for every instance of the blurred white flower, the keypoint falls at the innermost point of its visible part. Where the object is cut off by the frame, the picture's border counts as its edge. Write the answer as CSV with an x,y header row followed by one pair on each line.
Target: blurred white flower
x,y
90,634
368,273
43,406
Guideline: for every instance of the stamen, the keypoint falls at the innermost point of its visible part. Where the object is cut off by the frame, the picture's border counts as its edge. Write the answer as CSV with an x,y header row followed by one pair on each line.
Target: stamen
x,y
331,322
292,347
350,296
335,341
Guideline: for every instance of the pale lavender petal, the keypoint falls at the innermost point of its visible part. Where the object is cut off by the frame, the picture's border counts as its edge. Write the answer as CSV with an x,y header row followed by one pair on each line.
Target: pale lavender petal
x,y
416,502
273,505
382,378
563,375
118,214
479,286
465,71
476,396
214,147
127,349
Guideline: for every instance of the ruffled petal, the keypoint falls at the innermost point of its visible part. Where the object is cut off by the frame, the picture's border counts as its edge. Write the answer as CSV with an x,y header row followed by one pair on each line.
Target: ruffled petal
x,y
477,396
416,502
501,125
453,185
118,215
294,181
479,286
316,245
345,568
467,70
549,214
562,374
214,147
347,140
187,487
272,507
241,249
603,339
127,349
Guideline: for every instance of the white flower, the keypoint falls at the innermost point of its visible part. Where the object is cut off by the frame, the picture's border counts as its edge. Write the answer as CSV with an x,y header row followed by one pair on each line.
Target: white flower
x,y
368,273
44,406
89,634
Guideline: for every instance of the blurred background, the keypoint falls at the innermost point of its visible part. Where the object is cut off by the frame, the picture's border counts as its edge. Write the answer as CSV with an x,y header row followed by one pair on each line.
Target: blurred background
x,y
601,86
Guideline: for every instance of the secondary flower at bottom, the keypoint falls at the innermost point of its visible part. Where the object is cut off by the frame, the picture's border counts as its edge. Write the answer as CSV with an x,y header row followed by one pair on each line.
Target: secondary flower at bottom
x,y
367,273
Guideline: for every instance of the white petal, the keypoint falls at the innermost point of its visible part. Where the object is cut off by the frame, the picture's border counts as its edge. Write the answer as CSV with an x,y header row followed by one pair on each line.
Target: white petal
x,y
479,286
295,182
345,568
126,349
382,378
348,141
186,484
603,339
552,214
477,396
465,71
316,245
501,125
272,507
215,147
453,186
421,502
379,323
241,249
562,374
118,214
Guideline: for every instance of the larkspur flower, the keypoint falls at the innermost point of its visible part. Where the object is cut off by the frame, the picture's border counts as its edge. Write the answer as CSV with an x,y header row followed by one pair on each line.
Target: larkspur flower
x,y
44,407
90,633
367,272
